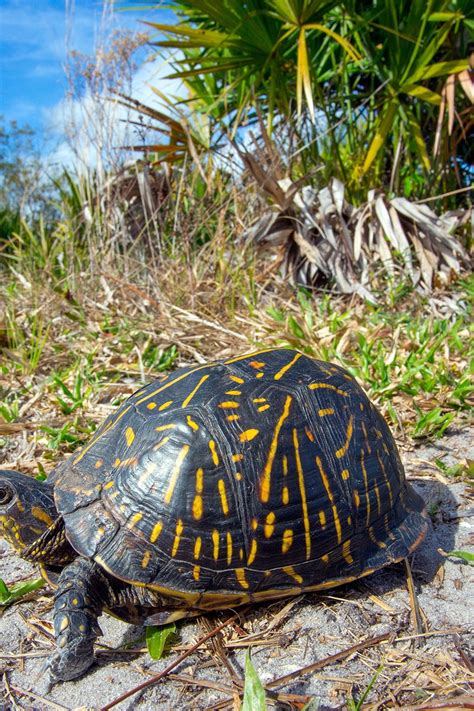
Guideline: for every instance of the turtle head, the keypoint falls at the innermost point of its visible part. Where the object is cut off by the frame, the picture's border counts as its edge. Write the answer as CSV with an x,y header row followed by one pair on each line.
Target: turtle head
x,y
27,508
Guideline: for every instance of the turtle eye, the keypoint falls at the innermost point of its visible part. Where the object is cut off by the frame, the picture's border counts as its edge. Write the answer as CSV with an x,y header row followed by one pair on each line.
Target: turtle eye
x,y
7,492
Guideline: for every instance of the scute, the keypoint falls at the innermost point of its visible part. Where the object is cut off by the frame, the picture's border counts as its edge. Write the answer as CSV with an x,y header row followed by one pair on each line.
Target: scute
x,y
256,476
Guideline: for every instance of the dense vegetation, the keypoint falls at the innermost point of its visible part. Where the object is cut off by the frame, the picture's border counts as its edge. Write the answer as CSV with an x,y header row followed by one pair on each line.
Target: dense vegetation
x,y
111,277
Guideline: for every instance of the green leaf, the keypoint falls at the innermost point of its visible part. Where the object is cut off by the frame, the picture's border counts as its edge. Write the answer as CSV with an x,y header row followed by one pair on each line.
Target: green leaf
x,y
463,555
10,595
254,693
380,137
295,328
157,637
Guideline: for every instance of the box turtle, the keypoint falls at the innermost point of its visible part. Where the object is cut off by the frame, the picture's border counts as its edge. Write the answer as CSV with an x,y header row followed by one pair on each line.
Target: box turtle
x,y
254,478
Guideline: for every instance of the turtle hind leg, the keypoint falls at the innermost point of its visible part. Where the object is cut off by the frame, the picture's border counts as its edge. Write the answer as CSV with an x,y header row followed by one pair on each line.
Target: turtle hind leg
x,y
83,591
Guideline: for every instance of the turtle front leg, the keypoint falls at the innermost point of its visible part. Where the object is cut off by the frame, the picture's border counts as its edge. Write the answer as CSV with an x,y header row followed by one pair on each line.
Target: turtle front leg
x,y
81,595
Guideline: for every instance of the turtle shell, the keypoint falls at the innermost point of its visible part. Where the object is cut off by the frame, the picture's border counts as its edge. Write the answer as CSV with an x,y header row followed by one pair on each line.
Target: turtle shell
x,y
252,478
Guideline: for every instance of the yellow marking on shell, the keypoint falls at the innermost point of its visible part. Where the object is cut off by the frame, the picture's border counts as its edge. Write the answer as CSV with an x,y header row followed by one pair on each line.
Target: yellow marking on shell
x,y
215,543
238,476
287,367
99,463
366,486
285,495
214,455
309,434
82,628
233,392
325,411
162,428
223,495
75,601
384,471
285,465
304,505
232,418
161,443
267,470
325,558
129,436
254,524
249,355
171,382
130,461
41,515
335,514
260,375
361,405
256,364
240,575
196,572
116,462
259,399
228,404
165,405
345,474
241,553
322,519
146,559
356,497
229,547
248,435
64,624
194,425
341,452
253,552
157,528
269,525
289,570
372,537
327,386
175,473
197,507
100,531
177,537
262,408
197,547
109,484
135,519
193,392
199,480
236,379
20,506
366,437
349,520
377,496
287,540
237,457
346,552
151,405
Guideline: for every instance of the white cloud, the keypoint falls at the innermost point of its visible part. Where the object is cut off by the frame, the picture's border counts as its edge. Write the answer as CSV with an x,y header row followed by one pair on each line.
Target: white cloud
x,y
95,126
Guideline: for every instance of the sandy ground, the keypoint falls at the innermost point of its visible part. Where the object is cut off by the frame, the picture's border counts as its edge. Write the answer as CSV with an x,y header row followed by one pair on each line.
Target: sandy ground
x,y
287,635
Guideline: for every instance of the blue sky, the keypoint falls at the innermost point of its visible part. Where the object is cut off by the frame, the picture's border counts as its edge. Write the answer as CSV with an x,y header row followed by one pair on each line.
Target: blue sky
x,y
34,35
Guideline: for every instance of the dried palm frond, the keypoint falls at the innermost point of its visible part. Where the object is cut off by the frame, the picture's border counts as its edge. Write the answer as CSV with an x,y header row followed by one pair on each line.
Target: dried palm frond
x,y
131,199
326,239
